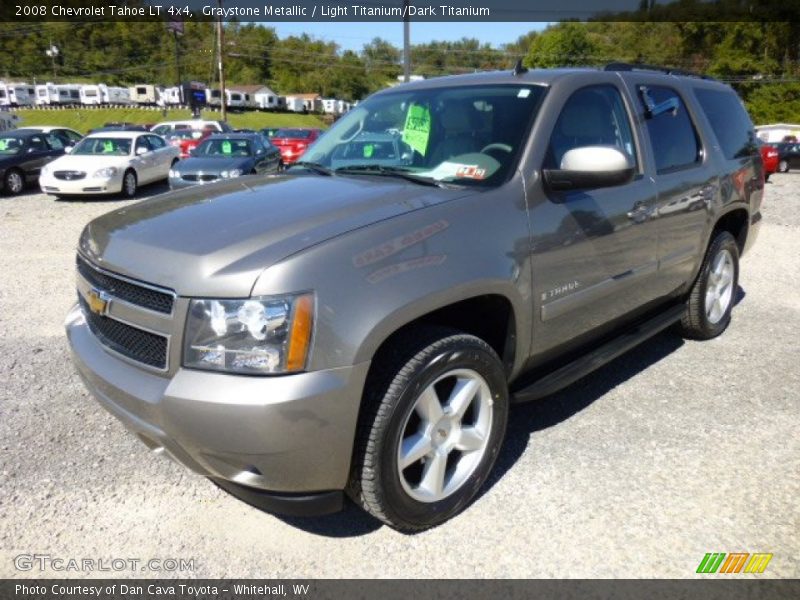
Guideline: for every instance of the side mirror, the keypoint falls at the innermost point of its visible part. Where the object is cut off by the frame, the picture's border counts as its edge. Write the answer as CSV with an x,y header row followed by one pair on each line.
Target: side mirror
x,y
67,149
141,150
590,167
193,152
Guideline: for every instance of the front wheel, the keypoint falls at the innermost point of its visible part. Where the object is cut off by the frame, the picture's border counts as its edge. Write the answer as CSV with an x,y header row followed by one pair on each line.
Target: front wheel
x,y
708,311
436,415
14,182
129,184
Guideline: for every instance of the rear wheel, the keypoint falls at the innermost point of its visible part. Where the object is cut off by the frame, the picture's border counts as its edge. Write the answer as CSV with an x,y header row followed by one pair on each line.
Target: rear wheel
x,y
14,182
129,184
708,311
435,418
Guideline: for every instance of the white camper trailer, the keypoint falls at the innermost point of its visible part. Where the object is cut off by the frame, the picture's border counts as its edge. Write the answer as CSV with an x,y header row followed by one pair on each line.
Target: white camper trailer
x,y
295,104
144,94
46,93
96,95
68,94
266,99
16,94
170,96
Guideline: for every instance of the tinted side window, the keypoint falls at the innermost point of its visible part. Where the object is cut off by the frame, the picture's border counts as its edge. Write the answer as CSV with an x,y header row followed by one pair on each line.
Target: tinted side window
x,y
56,142
592,116
38,144
155,142
142,142
730,122
672,134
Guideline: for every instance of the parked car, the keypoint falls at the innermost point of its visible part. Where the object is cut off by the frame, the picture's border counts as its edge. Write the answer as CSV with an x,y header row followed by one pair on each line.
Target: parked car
x,y
198,124
769,156
68,137
187,139
110,163
23,154
788,156
293,141
225,156
365,328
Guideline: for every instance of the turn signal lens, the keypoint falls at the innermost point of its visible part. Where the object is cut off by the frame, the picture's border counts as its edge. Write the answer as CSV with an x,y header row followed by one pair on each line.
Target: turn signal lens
x,y
300,334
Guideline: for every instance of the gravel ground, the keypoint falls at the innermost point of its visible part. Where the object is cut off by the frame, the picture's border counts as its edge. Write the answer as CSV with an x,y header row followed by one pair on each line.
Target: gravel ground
x,y
674,450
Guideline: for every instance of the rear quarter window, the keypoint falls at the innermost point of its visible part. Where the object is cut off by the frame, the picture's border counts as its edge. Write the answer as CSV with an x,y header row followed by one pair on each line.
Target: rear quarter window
x,y
729,121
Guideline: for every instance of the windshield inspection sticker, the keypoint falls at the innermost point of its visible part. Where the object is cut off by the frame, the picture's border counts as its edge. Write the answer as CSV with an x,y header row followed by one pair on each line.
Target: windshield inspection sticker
x,y
470,172
417,130
369,150
108,146
3,145
226,147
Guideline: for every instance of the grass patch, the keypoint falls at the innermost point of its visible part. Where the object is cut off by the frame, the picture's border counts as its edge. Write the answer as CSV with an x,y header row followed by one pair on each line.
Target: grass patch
x,y
84,119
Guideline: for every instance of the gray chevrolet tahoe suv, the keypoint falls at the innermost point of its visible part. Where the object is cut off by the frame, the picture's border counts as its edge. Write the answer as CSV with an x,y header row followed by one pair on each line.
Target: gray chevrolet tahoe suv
x,y
361,323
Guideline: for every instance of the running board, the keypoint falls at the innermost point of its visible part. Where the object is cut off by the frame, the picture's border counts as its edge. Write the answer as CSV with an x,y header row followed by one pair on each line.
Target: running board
x,y
571,372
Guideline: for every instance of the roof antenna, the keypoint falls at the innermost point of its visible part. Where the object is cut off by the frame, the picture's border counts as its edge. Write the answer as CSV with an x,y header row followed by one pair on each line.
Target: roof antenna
x,y
518,68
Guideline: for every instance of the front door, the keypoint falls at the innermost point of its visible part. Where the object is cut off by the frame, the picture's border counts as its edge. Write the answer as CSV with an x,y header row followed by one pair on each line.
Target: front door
x,y
594,251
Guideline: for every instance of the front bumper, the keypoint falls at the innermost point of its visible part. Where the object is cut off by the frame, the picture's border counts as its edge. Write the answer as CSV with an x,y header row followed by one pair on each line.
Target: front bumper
x,y
289,435
87,185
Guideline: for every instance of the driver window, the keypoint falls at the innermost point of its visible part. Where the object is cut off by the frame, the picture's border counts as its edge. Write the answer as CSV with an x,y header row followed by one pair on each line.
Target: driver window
x,y
37,144
592,116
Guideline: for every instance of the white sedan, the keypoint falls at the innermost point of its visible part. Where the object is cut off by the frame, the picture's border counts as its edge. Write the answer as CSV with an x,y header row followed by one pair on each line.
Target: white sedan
x,y
110,162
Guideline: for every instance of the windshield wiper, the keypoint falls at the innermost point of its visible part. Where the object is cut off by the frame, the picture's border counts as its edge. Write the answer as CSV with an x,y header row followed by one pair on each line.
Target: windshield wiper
x,y
312,166
388,171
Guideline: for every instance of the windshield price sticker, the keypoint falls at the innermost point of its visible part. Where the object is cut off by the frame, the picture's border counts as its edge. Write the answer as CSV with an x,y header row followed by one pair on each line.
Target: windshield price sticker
x,y
417,130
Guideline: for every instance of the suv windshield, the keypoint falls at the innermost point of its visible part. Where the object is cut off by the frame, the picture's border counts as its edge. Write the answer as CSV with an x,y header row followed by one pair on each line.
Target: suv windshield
x,y
107,146
466,135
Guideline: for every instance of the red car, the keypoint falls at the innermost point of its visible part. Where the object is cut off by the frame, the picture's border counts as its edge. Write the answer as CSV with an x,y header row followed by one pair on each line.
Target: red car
x,y
292,142
188,139
769,156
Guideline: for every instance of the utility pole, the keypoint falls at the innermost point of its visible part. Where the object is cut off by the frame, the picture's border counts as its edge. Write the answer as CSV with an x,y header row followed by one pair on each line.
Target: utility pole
x,y
220,40
406,42
177,62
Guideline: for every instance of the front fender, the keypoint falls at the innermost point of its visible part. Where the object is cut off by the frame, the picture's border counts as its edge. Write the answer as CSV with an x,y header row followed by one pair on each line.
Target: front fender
x,y
372,281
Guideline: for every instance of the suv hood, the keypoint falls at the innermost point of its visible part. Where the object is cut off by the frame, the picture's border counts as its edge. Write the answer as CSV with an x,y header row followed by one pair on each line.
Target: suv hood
x,y
216,240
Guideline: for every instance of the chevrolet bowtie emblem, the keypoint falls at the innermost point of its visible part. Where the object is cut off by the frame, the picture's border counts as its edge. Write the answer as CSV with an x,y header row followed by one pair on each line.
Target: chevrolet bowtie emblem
x,y
98,301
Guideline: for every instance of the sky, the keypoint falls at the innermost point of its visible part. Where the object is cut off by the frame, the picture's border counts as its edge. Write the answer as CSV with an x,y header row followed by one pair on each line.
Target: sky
x,y
352,36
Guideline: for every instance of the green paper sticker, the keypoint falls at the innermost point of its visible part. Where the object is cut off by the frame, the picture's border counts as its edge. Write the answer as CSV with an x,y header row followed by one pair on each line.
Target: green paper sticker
x,y
417,130
369,150
3,144
108,146
226,147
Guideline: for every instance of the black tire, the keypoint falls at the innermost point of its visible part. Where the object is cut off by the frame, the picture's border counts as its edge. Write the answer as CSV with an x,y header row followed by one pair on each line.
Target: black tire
x,y
128,191
397,379
783,166
14,182
696,322
766,177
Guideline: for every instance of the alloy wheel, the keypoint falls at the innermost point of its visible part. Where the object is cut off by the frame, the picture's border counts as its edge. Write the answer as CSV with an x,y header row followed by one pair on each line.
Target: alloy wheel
x,y
719,291
445,435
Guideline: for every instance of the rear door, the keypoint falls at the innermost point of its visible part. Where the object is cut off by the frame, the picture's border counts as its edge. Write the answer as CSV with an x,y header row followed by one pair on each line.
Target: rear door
x,y
593,250
685,175
163,156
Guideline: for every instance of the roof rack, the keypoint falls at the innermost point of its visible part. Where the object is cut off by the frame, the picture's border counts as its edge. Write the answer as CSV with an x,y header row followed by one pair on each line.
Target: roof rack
x,y
621,66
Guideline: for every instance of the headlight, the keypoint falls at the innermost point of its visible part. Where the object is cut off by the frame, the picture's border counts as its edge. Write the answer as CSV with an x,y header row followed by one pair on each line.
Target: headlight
x,y
45,170
105,173
231,174
173,173
255,336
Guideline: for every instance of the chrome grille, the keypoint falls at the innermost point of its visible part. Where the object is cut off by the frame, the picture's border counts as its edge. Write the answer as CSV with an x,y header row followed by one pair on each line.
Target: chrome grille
x,y
69,175
125,290
132,342
194,177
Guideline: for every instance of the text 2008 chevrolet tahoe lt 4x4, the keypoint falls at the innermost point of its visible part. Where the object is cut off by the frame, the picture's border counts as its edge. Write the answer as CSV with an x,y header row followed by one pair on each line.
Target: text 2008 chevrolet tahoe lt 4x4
x,y
362,322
